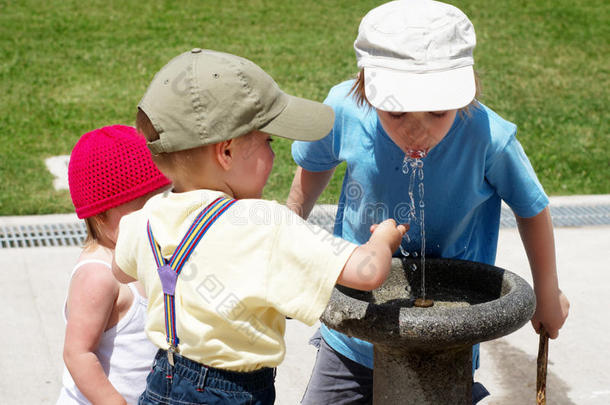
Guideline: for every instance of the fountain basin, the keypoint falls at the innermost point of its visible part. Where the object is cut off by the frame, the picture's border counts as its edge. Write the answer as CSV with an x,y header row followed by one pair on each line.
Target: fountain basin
x,y
424,354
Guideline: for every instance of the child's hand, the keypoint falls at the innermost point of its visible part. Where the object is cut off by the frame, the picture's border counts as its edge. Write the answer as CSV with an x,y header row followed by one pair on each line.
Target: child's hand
x,y
369,265
389,233
551,311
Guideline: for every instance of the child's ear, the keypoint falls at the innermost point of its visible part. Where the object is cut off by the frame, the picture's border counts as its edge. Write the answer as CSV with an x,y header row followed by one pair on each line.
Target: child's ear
x,y
224,152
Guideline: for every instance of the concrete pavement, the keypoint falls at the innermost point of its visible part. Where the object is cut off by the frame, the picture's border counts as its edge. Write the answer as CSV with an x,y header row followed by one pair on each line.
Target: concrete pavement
x,y
35,281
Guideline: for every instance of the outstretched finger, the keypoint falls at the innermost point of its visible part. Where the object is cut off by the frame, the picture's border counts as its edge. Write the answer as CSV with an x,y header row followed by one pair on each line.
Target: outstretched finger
x,y
403,228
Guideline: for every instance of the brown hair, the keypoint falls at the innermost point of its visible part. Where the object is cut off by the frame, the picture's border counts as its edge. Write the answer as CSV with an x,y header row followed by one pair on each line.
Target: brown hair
x,y
357,91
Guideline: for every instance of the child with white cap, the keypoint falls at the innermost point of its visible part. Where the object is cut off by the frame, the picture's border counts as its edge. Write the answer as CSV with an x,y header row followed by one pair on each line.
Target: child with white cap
x,y
415,97
222,268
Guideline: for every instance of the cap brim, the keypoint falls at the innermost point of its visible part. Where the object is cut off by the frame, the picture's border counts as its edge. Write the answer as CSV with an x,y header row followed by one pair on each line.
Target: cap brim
x,y
397,90
301,120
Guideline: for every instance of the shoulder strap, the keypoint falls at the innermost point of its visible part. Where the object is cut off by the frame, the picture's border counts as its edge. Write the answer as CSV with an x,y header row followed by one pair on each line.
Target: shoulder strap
x,y
89,261
169,270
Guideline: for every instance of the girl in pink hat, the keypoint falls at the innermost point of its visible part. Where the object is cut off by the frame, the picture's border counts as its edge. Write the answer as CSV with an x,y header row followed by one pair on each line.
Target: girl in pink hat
x,y
106,353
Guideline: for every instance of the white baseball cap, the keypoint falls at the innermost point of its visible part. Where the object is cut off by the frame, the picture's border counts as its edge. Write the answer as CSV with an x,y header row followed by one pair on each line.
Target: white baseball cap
x,y
417,56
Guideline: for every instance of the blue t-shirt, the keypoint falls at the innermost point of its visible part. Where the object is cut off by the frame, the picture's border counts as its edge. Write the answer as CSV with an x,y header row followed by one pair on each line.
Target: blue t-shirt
x,y
478,164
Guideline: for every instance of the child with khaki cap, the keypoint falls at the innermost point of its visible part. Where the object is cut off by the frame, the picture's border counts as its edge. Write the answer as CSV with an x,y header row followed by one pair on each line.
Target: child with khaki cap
x,y
221,267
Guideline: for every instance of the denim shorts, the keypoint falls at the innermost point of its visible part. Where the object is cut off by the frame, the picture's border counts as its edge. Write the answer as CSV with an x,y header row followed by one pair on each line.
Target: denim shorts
x,y
189,382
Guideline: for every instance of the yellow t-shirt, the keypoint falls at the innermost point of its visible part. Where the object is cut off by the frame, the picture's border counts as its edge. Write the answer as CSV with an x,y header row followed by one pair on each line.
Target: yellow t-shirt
x,y
258,263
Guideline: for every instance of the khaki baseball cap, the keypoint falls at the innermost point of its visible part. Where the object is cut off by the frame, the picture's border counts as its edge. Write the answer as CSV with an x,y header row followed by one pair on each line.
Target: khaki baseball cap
x,y
203,97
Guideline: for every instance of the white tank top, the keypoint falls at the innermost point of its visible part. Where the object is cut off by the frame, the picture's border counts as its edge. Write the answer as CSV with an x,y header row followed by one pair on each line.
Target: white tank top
x,y
125,353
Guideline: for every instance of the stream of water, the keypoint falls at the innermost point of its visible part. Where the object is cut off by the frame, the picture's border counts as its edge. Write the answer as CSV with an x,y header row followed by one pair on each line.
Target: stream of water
x,y
413,166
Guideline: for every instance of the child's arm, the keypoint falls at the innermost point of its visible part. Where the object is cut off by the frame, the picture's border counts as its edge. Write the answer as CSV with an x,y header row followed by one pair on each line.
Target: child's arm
x,y
369,265
93,292
551,305
305,190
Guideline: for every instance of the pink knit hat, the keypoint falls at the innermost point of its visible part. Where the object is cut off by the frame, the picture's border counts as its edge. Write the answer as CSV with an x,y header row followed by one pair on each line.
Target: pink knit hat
x,y
109,167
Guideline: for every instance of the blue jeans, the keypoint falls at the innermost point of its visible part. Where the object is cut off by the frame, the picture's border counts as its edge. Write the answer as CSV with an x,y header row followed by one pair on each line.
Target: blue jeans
x,y
189,382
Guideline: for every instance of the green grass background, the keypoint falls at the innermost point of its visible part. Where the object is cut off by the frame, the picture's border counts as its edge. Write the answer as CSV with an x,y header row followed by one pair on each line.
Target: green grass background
x,y
67,67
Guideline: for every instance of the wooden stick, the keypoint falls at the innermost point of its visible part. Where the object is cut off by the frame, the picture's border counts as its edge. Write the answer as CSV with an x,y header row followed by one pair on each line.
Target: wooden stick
x,y
543,356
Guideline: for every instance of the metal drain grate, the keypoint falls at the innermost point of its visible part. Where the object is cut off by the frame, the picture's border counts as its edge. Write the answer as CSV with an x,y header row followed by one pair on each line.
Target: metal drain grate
x,y
74,233
563,216
42,235
566,216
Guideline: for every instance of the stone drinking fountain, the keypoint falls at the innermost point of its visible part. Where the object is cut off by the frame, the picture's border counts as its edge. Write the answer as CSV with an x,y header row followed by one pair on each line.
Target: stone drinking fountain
x,y
424,355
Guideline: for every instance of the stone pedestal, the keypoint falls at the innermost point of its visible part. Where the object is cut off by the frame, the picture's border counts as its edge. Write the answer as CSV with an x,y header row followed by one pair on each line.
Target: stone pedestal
x,y
425,378
424,355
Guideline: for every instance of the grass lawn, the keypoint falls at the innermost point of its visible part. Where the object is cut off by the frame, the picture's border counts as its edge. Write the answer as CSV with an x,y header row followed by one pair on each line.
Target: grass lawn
x,y
67,67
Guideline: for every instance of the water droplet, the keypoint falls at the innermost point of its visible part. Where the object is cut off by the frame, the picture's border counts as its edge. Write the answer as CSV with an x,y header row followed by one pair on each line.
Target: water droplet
x,y
403,251
405,165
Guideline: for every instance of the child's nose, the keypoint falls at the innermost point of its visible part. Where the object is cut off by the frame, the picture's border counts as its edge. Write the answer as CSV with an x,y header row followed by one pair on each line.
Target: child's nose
x,y
413,124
